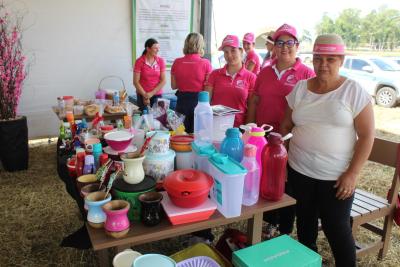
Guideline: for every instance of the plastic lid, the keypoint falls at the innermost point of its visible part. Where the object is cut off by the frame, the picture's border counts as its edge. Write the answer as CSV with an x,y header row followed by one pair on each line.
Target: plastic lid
x,y
89,160
182,139
275,138
204,96
226,164
188,180
250,150
68,97
207,150
153,260
232,132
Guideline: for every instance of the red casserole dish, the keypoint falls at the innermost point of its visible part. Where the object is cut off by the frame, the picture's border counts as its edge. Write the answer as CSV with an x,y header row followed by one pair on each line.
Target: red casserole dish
x,y
188,188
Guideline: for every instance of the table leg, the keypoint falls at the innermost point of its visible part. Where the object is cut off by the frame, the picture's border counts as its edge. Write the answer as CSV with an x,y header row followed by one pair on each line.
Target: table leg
x,y
254,228
102,257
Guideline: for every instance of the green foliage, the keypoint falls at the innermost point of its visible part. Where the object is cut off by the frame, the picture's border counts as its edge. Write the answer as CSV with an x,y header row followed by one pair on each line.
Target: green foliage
x,y
378,30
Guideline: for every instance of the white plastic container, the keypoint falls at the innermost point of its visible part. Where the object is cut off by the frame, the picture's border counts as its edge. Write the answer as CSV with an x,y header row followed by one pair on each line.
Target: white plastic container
x,y
159,166
227,190
220,125
183,160
203,120
200,155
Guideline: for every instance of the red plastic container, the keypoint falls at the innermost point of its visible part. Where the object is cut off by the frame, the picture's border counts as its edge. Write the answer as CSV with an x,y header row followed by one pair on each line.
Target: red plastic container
x,y
188,188
118,140
274,160
71,167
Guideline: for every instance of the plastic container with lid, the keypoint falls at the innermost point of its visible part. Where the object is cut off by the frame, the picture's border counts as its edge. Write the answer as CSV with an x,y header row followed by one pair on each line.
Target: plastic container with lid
x,y
181,143
159,165
227,191
200,156
155,260
188,188
221,124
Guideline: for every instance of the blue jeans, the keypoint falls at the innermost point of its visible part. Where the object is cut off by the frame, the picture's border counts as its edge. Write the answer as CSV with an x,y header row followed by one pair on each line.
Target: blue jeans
x,y
317,199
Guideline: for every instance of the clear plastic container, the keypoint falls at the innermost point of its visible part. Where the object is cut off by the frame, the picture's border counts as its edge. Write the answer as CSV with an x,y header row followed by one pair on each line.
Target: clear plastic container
x,y
203,121
227,190
221,124
251,188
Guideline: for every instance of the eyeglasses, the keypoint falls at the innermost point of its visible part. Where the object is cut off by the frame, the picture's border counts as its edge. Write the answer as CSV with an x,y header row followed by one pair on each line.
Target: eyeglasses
x,y
288,43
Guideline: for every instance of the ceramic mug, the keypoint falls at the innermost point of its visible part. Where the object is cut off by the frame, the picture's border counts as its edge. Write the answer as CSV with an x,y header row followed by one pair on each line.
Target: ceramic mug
x,y
151,208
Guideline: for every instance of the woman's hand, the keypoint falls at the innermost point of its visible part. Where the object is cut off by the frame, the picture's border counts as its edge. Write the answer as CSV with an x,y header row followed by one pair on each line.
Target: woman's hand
x,y
346,185
146,101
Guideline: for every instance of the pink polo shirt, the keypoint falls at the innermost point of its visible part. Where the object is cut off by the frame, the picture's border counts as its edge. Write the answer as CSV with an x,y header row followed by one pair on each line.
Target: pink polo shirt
x,y
253,57
191,72
232,91
149,75
273,89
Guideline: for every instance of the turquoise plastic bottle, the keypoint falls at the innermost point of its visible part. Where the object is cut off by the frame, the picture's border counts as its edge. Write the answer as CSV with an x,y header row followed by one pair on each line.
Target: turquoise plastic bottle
x,y
232,145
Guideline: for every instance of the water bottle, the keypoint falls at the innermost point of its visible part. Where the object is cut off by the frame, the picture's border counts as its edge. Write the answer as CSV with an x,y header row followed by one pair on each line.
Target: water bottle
x,y
257,138
203,120
97,151
61,107
274,159
232,145
251,188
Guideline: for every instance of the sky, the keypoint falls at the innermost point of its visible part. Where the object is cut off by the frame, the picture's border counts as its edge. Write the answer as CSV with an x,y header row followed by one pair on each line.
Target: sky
x,y
241,16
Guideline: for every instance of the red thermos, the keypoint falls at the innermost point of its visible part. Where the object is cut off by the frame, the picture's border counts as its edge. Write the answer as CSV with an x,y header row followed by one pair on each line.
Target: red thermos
x,y
274,158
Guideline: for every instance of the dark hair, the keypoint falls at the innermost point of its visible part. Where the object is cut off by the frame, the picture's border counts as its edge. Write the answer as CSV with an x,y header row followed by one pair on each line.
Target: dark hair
x,y
148,44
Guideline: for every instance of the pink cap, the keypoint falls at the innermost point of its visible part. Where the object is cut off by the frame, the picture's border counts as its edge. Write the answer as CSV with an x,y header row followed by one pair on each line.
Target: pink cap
x,y
230,40
250,150
329,44
249,37
285,29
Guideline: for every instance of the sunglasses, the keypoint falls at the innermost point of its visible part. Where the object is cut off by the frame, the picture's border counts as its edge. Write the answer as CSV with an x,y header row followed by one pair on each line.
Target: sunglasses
x,y
288,43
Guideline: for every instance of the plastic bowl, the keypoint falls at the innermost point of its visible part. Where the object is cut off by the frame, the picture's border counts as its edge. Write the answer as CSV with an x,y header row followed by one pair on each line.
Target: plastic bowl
x,y
118,140
200,261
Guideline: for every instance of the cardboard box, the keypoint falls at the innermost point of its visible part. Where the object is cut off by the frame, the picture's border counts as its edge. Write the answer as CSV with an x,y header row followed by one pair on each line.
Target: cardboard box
x,y
282,251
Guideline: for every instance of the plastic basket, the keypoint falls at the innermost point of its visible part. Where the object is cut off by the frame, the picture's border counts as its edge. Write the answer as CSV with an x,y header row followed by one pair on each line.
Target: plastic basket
x,y
200,261
201,249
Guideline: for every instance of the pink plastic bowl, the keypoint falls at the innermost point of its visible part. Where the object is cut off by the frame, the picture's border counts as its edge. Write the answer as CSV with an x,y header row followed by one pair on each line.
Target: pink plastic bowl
x,y
118,140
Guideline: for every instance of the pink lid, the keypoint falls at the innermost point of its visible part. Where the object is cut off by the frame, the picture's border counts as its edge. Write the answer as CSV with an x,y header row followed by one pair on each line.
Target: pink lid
x,y
68,97
250,150
257,129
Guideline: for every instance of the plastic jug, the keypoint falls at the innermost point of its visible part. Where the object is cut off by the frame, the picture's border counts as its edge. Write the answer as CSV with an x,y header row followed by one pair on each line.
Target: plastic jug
x,y
251,188
274,159
257,138
203,120
232,145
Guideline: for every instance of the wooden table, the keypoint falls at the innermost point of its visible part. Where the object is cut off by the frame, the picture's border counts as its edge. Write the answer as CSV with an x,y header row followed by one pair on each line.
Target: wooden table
x,y
140,234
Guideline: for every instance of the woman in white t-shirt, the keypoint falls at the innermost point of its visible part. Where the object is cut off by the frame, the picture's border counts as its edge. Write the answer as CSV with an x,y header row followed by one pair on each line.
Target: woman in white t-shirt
x,y
332,122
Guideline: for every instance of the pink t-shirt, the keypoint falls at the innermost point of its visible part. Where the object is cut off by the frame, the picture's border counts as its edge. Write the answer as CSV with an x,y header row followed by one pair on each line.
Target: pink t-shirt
x,y
232,91
149,75
253,57
191,72
272,91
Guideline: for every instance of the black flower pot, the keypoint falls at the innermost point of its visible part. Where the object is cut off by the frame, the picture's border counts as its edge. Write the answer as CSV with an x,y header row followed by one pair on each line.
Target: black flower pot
x,y
14,152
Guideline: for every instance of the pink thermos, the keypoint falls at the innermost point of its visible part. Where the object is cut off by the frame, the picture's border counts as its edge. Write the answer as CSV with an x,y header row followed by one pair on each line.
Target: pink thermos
x,y
274,159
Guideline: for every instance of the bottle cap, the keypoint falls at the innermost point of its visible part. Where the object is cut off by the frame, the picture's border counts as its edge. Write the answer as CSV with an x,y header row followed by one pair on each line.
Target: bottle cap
x,y
203,96
275,138
250,150
257,131
232,132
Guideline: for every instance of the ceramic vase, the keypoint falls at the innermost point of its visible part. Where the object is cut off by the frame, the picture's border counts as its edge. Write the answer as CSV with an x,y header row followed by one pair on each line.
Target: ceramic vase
x,y
133,168
96,216
117,222
151,208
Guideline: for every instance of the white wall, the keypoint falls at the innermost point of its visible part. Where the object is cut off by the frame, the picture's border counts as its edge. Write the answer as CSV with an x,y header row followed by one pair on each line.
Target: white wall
x,y
71,46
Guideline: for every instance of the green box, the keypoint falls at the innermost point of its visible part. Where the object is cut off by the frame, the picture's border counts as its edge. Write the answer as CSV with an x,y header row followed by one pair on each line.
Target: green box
x,y
282,251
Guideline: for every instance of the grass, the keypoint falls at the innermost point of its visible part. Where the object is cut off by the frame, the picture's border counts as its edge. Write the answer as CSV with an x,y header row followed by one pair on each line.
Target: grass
x,y
36,212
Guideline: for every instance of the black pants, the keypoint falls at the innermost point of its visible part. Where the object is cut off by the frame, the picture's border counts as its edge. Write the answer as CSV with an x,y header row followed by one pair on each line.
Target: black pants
x,y
140,103
185,105
317,198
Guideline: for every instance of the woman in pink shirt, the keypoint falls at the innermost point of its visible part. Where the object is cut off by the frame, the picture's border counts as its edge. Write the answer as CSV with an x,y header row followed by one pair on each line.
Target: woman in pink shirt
x,y
188,75
252,61
268,103
269,45
149,75
231,85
